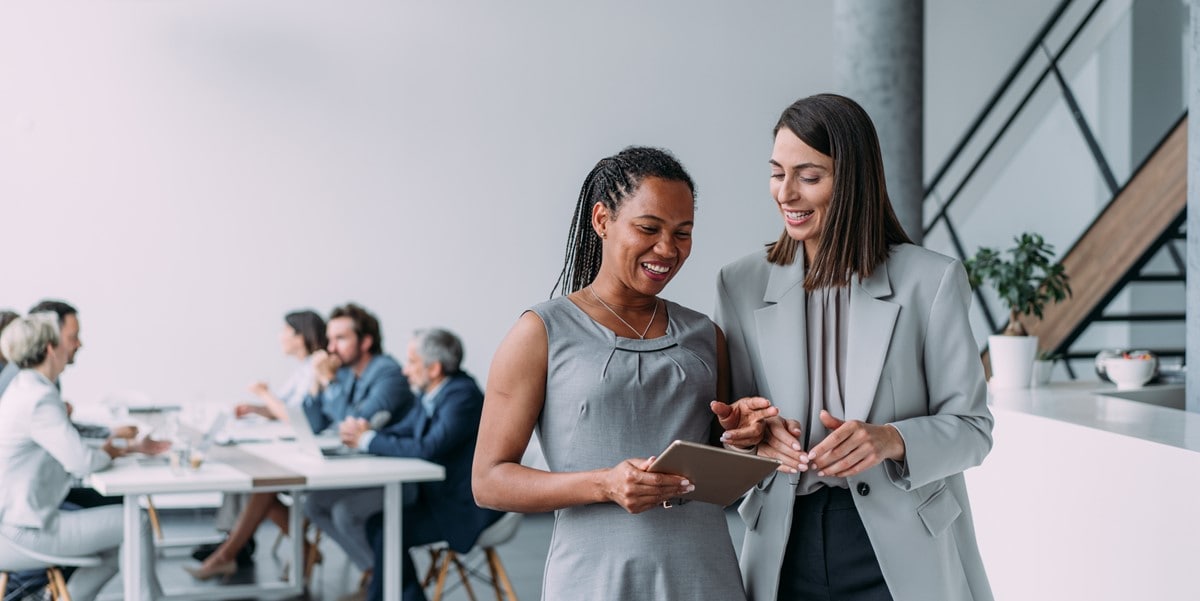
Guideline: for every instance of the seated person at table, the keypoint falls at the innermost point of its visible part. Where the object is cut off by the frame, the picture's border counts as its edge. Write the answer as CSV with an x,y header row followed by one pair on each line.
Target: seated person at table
x,y
440,428
354,378
240,514
40,451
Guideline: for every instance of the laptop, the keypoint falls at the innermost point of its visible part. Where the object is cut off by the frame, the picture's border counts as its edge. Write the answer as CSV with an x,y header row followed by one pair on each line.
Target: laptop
x,y
324,447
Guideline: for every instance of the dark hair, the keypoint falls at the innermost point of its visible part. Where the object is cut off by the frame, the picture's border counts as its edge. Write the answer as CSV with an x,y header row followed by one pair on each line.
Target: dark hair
x,y
310,326
365,324
610,182
862,225
60,307
6,317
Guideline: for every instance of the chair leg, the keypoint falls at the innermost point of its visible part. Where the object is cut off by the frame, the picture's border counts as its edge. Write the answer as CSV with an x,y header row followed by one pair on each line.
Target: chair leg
x,y
500,576
435,558
155,526
447,559
60,583
462,573
52,586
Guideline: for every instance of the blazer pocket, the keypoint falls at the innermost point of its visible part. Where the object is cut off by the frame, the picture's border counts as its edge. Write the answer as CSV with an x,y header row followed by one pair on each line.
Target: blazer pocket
x,y
751,506
939,511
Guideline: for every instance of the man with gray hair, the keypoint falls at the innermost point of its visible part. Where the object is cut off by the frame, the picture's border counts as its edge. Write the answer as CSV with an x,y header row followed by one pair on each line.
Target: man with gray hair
x,y
441,428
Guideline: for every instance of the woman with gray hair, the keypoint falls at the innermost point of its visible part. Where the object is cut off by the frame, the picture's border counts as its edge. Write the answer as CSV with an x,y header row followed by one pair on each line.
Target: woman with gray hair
x,y
40,452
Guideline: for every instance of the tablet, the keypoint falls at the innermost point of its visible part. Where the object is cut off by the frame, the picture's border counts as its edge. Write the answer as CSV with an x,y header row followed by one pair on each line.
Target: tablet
x,y
720,475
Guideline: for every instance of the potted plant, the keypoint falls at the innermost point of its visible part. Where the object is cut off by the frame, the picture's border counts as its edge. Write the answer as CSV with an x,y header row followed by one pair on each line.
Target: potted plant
x,y
1043,366
1027,280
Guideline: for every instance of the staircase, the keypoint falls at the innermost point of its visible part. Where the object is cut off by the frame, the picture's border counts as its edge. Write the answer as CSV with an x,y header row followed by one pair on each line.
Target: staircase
x,y
1145,217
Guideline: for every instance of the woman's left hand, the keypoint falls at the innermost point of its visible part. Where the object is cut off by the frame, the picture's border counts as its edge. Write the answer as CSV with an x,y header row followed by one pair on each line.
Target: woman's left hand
x,y
853,447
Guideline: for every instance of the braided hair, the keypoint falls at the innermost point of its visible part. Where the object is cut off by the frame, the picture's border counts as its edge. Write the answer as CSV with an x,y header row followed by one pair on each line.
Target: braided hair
x,y
610,182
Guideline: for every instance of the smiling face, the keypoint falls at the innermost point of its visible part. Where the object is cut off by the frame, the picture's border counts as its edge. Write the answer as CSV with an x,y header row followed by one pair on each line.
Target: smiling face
x,y
69,336
802,186
650,237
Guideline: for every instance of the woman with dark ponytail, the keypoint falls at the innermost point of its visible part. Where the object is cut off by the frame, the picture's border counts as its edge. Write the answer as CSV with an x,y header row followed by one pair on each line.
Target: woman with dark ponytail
x,y
610,374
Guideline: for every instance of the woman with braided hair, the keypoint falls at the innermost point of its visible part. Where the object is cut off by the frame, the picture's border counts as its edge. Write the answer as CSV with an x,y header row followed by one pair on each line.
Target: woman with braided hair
x,y
610,374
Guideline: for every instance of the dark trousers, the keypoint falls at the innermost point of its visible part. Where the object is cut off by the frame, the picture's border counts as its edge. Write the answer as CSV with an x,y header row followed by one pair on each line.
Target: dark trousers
x,y
829,557
419,529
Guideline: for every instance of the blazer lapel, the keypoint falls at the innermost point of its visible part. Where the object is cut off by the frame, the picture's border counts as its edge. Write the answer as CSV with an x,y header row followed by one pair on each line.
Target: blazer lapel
x,y
870,323
782,340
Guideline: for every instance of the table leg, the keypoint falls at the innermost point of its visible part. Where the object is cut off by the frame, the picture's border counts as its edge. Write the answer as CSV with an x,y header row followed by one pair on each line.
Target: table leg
x,y
132,549
296,528
392,530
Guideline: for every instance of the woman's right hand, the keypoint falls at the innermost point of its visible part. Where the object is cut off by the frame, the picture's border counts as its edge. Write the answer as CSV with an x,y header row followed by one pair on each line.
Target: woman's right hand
x,y
629,485
781,440
743,420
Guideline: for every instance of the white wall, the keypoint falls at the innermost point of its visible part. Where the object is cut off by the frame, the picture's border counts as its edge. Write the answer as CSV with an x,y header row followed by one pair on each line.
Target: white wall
x,y
186,172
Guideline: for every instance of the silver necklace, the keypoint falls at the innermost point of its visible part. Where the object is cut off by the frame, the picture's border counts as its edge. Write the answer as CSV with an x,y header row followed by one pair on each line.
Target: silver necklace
x,y
641,335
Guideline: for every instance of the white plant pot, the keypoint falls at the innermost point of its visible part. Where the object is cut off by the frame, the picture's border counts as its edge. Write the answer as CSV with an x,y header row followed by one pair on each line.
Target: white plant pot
x,y
1041,373
1012,360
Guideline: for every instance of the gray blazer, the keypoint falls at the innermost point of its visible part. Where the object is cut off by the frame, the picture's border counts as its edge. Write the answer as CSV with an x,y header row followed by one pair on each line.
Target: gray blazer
x,y
913,363
39,451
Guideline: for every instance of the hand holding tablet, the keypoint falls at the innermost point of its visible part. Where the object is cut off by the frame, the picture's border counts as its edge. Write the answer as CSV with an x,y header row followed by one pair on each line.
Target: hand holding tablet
x,y
720,475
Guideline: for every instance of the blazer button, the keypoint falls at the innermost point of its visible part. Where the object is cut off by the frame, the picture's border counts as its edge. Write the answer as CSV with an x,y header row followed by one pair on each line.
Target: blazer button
x,y
864,489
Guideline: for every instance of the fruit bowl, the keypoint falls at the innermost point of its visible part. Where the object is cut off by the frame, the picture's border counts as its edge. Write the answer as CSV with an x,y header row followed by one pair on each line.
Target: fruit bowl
x,y
1130,371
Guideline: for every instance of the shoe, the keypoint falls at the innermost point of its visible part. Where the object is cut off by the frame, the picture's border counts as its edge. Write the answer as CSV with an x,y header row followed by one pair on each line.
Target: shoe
x,y
201,552
245,556
224,569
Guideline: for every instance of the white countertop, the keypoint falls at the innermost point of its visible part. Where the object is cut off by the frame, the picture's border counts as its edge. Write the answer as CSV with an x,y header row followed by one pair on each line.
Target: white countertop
x,y
1087,404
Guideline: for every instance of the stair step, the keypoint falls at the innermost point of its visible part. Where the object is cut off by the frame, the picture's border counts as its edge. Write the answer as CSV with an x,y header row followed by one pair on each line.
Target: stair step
x,y
1143,317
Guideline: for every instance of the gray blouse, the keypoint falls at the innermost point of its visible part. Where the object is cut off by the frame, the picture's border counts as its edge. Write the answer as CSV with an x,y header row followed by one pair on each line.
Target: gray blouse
x,y
826,326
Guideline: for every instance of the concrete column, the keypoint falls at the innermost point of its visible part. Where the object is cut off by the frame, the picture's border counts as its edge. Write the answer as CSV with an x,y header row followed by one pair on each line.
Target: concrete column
x,y
879,60
1193,216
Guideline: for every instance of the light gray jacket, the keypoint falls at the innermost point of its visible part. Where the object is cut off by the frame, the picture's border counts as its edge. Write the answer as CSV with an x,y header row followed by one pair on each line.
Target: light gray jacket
x,y
911,362
39,450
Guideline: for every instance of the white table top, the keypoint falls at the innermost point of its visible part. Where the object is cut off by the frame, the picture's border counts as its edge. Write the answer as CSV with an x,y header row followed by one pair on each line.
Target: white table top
x,y
1087,404
282,466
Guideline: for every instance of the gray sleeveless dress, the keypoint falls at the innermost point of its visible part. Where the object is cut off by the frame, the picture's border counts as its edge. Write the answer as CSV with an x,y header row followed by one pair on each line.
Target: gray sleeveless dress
x,y
609,399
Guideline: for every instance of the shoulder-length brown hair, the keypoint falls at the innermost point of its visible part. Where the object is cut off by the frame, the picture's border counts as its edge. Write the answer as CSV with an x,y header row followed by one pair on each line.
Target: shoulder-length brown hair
x,y
862,226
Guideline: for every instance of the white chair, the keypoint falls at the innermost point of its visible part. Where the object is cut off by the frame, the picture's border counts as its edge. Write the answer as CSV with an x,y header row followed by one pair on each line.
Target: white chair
x,y
442,557
15,558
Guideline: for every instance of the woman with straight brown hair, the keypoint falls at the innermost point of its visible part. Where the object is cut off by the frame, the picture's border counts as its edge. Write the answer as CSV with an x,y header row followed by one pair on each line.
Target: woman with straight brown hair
x,y
861,341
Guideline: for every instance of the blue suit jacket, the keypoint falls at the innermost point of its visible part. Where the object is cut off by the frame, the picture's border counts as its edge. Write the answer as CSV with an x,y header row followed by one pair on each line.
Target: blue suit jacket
x,y
382,387
447,438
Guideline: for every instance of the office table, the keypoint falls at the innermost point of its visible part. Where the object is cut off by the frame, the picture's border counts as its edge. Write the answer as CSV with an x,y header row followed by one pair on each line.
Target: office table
x,y
261,467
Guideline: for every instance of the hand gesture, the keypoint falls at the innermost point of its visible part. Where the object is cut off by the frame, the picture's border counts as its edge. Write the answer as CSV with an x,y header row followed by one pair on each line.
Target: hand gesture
x,y
351,429
124,432
781,440
629,485
325,365
743,420
853,447
149,446
259,389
